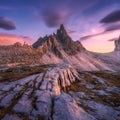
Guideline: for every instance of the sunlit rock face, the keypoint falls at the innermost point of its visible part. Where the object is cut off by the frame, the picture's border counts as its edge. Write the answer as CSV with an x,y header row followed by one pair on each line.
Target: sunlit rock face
x,y
117,45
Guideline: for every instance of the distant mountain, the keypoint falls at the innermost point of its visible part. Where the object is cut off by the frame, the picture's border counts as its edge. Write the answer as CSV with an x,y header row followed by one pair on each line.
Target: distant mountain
x,y
117,45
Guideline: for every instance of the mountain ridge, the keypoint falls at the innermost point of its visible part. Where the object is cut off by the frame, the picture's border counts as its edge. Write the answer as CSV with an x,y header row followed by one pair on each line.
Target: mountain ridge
x,y
61,39
58,48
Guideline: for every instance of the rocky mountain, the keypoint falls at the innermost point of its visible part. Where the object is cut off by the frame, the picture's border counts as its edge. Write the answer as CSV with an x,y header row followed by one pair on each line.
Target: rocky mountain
x,y
59,41
60,48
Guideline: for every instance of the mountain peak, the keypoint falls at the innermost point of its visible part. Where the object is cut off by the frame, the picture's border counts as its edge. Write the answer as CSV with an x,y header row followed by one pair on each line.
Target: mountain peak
x,y
62,30
59,41
117,44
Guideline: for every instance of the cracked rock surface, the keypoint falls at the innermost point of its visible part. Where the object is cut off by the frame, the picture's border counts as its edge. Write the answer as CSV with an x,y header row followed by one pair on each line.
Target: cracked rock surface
x,y
59,93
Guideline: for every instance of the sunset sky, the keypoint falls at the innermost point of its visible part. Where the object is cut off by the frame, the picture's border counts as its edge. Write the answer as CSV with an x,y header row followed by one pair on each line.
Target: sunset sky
x,y
94,22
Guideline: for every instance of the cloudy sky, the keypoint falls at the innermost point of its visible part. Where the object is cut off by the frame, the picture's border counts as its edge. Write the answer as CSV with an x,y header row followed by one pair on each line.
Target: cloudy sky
x,y
96,23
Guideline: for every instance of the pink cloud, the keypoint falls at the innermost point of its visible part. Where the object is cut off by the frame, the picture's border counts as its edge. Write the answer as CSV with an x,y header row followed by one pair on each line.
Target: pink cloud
x,y
101,43
9,39
112,40
72,31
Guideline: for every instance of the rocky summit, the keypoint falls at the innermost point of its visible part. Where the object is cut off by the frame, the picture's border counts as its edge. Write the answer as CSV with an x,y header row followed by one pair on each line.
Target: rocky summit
x,y
58,41
58,79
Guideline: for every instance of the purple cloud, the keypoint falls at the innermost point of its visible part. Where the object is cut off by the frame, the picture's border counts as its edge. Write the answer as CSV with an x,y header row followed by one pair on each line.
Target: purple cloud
x,y
107,30
112,40
113,27
72,31
55,17
112,17
7,24
61,12
112,23
92,35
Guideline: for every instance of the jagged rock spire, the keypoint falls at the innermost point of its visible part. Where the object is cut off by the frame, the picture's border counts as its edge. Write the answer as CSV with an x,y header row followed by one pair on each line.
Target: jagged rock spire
x,y
62,30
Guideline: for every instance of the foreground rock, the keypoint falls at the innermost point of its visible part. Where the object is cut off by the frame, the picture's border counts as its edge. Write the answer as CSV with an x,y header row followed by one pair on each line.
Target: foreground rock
x,y
60,93
66,108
